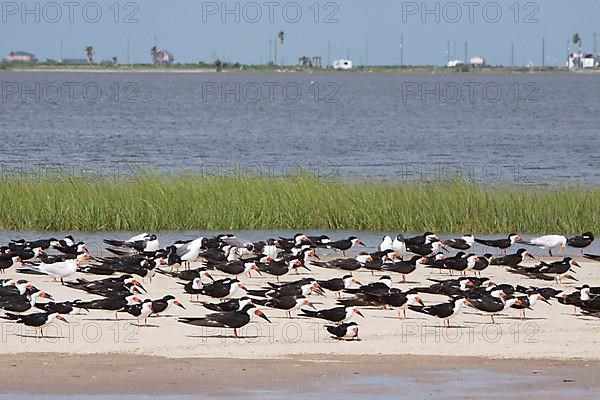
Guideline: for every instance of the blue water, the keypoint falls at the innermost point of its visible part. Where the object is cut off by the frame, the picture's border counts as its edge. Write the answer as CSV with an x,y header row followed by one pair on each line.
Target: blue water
x,y
536,129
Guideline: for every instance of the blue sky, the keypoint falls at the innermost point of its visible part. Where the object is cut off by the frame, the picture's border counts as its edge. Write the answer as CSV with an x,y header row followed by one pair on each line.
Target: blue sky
x,y
202,30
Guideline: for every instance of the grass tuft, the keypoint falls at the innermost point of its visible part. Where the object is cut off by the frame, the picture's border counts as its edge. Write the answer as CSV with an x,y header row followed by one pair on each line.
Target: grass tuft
x,y
187,202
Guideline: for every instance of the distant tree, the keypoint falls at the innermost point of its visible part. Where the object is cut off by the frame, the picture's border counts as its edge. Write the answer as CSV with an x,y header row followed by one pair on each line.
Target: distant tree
x,y
219,65
577,41
281,36
154,54
89,54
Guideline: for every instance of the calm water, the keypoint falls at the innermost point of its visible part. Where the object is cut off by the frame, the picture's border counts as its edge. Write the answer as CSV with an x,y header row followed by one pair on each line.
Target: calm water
x,y
532,129
433,385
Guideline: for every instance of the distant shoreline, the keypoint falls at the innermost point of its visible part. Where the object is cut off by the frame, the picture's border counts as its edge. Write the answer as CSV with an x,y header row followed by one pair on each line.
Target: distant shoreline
x,y
290,70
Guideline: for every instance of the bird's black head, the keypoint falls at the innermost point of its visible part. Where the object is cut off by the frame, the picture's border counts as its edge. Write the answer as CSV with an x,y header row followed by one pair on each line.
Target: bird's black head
x,y
168,297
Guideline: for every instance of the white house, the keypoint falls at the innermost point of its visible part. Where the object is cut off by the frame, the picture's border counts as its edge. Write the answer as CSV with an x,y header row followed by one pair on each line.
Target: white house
x,y
342,64
454,63
581,60
477,61
20,56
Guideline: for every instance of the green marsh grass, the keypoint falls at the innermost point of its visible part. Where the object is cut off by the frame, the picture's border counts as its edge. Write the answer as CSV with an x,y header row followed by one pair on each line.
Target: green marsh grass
x,y
187,202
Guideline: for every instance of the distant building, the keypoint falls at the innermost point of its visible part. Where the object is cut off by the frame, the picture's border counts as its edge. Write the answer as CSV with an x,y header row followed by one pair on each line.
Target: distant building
x,y
164,57
477,62
21,56
74,61
342,64
454,63
582,61
309,62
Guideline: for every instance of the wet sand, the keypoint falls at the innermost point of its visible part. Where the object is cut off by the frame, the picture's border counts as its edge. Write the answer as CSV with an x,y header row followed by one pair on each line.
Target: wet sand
x,y
68,374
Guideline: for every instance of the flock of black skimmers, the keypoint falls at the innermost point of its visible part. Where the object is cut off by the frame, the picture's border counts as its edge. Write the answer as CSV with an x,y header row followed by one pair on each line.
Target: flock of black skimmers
x,y
118,280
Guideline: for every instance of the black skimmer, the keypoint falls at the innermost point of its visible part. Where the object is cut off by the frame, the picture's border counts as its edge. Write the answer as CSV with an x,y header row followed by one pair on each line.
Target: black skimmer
x,y
445,311
405,267
65,307
394,298
493,305
528,301
193,287
547,242
142,243
16,288
346,331
223,289
286,303
109,303
502,244
512,260
281,267
581,242
162,305
229,305
26,254
464,243
426,249
482,263
452,287
9,261
336,285
461,263
45,244
419,240
303,287
347,264
38,320
543,270
345,244
337,314
381,287
140,311
106,287
21,304
238,267
232,319
57,270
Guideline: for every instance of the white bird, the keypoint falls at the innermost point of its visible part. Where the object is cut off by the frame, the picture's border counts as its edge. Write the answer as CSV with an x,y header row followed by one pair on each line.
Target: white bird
x,y
61,270
189,251
386,244
399,246
547,242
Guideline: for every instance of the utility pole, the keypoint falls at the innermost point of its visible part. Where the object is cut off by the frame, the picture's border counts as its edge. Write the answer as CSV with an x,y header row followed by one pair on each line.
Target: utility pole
x,y
128,51
271,50
328,54
402,50
543,52
448,53
595,48
466,51
348,54
275,52
366,50
61,51
512,54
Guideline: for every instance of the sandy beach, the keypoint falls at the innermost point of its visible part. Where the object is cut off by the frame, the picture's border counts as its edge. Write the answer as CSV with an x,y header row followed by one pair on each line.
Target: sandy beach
x,y
549,332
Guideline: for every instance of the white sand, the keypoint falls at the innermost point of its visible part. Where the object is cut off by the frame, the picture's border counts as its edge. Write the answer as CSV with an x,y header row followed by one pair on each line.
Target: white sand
x,y
551,332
